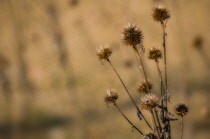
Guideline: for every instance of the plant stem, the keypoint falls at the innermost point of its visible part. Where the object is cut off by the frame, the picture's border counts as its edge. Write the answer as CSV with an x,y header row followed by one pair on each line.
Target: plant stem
x,y
142,66
158,121
133,126
162,87
182,127
166,82
129,93
155,124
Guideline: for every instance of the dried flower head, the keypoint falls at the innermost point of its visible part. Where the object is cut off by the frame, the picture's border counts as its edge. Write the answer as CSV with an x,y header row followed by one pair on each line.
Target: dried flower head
x,y
160,14
150,136
198,42
142,87
132,35
111,96
155,53
148,102
104,52
181,109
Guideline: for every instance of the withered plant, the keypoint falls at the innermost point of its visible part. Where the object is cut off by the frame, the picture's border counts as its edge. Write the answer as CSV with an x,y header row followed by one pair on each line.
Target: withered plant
x,y
159,127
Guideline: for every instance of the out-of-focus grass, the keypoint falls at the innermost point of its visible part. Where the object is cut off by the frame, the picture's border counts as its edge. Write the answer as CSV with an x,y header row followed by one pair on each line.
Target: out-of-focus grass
x,y
77,92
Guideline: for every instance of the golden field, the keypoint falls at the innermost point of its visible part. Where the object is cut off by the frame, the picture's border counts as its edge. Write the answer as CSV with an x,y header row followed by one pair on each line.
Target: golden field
x,y
52,85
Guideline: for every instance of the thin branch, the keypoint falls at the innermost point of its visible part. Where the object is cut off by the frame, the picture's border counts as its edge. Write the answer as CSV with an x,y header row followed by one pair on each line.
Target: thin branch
x,y
166,82
155,124
182,127
133,126
138,110
158,121
162,87
142,66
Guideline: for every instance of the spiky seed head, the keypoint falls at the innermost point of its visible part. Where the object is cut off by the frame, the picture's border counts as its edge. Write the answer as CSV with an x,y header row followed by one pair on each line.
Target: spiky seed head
x,y
104,52
142,87
111,96
148,102
198,42
132,35
181,109
160,14
150,136
155,53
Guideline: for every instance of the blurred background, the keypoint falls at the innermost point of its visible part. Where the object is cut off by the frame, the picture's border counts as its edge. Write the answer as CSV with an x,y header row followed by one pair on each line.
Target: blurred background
x,y
52,85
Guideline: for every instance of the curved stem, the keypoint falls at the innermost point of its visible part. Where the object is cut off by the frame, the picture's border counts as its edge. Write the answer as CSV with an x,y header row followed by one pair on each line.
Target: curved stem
x,y
133,126
129,93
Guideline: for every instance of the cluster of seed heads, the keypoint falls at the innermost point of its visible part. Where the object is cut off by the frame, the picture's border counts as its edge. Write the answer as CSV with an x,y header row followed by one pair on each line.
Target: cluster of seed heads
x,y
133,36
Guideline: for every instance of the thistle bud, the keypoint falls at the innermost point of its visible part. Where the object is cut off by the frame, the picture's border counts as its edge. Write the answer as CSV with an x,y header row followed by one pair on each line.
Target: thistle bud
x,y
104,52
160,14
155,53
132,35
150,136
111,96
142,87
181,109
148,102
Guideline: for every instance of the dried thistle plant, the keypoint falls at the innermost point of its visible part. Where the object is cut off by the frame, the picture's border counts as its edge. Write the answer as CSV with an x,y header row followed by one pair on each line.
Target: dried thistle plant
x,y
111,96
104,52
132,35
149,102
150,136
181,110
155,54
160,13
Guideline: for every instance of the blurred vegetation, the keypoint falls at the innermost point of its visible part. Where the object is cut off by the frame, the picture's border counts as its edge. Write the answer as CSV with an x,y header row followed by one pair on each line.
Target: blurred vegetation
x,y
52,84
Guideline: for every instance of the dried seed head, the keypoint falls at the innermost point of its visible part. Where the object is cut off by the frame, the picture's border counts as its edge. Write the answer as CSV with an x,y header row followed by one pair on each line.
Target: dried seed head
x,y
148,102
111,96
160,14
142,87
132,35
198,42
155,53
181,109
150,136
104,52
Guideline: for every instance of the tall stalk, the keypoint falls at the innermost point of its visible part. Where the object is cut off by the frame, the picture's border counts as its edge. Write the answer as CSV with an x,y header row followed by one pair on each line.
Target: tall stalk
x,y
166,81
